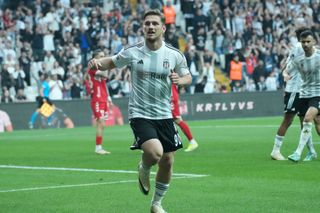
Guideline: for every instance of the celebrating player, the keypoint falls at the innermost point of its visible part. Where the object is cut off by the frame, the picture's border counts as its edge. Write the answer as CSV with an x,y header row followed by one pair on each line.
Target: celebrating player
x,y
150,115
308,66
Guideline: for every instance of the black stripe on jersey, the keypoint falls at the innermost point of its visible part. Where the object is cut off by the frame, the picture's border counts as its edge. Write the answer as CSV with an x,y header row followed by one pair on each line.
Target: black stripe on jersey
x,y
175,49
139,44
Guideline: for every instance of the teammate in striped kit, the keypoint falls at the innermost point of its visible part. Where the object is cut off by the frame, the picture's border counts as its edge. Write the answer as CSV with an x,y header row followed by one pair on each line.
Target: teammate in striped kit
x,y
155,65
308,65
291,103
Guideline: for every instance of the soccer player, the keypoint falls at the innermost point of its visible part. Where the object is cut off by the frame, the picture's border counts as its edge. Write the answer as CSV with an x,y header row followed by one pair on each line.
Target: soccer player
x,y
152,62
5,122
309,69
43,98
291,102
179,121
99,98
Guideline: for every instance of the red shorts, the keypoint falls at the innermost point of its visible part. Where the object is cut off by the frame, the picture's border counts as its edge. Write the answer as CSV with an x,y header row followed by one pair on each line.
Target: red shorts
x,y
175,109
99,110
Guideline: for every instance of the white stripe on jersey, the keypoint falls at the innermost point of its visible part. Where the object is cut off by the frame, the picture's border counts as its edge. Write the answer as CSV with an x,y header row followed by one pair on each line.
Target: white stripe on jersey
x,y
309,69
151,86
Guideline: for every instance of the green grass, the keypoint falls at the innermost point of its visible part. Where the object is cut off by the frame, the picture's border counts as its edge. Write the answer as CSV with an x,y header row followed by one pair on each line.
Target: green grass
x,y
235,154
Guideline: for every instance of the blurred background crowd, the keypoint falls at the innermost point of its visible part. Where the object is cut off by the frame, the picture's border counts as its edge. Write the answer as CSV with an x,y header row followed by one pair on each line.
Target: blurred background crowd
x,y
230,45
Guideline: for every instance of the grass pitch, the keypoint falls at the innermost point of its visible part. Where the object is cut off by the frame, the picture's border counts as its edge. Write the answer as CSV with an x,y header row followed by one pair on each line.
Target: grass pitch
x,y
57,171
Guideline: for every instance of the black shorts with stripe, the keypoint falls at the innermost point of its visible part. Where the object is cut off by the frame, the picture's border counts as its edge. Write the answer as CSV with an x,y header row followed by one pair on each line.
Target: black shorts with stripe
x,y
291,103
305,103
165,130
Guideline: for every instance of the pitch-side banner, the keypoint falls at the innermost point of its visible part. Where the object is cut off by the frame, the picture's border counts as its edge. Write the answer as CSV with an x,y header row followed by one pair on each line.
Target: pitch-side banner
x,y
192,107
231,105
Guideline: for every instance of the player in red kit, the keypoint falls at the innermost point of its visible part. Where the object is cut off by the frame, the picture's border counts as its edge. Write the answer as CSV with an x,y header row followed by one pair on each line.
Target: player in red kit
x,y
96,82
179,121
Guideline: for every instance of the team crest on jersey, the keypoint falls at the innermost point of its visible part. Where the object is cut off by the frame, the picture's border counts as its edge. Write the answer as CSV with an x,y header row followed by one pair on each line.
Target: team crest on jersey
x,y
166,64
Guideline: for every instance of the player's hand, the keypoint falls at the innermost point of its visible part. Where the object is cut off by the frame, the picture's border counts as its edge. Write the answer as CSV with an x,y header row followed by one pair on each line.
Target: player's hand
x,y
94,64
174,77
286,76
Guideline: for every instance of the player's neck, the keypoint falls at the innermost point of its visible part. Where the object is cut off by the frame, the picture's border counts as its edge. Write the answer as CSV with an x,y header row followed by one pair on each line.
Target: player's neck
x,y
309,53
154,45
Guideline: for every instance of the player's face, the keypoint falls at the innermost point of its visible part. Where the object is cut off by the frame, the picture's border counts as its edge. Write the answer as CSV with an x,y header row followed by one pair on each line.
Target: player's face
x,y
153,28
308,44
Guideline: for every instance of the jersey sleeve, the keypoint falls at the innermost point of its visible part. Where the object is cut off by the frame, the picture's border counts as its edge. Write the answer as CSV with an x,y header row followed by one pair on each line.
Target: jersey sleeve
x,y
122,59
181,66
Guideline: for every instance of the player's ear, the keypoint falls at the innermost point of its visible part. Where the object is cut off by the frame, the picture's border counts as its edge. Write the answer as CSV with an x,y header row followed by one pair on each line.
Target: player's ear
x,y
164,28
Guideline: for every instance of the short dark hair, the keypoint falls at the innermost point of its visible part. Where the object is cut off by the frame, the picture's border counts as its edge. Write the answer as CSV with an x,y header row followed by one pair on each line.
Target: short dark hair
x,y
96,52
300,30
155,12
307,33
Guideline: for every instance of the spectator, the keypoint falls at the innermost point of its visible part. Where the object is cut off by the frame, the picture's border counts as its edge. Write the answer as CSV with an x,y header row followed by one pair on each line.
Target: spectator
x,y
20,96
19,77
75,90
271,81
6,98
169,13
56,88
235,73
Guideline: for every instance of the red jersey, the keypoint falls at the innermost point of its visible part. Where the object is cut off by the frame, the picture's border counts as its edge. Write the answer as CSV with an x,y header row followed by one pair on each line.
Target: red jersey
x,y
98,87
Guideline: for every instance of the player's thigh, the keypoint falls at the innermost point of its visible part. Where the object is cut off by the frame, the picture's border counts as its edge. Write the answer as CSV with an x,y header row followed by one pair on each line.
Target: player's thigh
x,y
99,110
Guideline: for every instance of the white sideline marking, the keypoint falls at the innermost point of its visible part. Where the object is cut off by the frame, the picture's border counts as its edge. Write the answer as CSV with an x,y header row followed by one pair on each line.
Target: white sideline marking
x,y
66,186
77,185
88,170
175,176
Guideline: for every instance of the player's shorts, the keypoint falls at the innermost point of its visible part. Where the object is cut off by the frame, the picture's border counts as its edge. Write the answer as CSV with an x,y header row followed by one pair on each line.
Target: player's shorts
x,y
291,103
99,110
305,103
175,109
165,130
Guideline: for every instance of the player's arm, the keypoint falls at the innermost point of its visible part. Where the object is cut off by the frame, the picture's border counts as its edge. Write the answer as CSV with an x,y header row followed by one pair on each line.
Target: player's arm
x,y
102,64
181,75
286,73
102,74
180,80
8,128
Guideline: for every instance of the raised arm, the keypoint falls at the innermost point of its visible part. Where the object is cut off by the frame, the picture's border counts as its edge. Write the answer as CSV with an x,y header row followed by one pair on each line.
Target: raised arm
x,y
102,64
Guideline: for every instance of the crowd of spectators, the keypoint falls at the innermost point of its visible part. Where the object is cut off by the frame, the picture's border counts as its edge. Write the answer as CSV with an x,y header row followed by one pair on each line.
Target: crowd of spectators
x,y
245,39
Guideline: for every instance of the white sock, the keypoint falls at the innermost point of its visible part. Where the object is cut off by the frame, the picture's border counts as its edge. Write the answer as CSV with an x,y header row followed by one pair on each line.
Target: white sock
x,y
277,143
310,145
192,141
304,136
98,147
159,193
